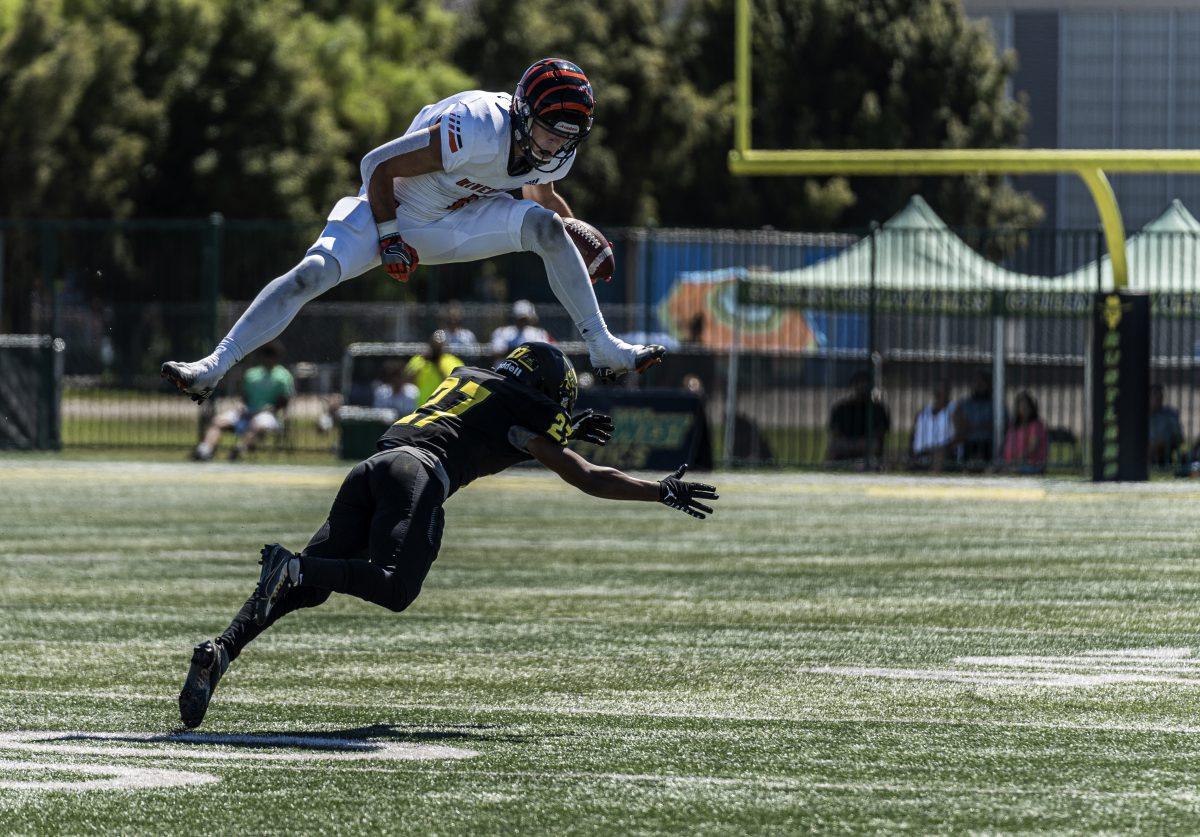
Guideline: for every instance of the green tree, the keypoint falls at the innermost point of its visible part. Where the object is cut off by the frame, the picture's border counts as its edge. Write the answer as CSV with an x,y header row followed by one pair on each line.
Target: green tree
x,y
74,128
114,108
850,74
648,115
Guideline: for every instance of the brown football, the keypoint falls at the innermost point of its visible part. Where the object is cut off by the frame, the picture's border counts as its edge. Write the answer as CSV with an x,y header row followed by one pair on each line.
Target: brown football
x,y
596,250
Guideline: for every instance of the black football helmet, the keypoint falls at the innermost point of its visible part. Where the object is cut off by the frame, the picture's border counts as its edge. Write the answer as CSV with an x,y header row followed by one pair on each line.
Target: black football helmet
x,y
545,368
559,97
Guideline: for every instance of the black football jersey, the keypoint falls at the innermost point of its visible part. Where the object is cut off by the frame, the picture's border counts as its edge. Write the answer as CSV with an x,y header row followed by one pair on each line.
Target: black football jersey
x,y
466,421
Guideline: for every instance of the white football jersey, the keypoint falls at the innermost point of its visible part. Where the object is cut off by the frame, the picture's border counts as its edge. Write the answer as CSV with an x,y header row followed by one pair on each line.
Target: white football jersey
x,y
476,136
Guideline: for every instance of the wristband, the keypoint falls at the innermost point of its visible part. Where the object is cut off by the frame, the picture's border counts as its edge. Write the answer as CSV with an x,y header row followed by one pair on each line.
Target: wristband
x,y
386,228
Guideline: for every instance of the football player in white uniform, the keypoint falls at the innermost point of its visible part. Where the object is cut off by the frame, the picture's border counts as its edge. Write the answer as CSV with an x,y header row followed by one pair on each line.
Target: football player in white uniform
x,y
440,194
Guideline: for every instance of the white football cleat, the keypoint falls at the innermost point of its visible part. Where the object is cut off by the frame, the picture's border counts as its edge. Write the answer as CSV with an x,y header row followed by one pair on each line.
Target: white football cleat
x,y
197,380
612,363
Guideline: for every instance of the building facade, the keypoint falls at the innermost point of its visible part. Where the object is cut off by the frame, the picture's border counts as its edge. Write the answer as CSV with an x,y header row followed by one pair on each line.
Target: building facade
x,y
1104,74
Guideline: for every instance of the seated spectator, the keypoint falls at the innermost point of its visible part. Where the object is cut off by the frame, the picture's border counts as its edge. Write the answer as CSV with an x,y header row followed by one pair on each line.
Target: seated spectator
x,y
1026,443
849,419
974,438
933,431
524,329
430,369
396,391
1166,432
458,337
266,390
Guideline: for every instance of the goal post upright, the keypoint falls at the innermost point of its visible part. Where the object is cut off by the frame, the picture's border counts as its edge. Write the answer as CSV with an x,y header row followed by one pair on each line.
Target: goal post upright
x,y
1089,164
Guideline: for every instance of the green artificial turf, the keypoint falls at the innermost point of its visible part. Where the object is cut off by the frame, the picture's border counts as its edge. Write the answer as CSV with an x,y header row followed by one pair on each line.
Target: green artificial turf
x,y
830,653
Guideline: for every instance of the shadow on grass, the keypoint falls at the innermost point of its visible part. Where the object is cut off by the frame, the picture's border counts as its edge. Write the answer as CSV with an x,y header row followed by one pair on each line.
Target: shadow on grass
x,y
354,738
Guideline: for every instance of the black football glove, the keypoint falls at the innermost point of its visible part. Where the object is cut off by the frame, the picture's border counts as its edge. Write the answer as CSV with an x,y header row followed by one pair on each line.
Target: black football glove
x,y
590,426
674,492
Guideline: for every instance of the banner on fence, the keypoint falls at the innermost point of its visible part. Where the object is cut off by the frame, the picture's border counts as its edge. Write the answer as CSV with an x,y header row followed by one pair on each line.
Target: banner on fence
x,y
653,429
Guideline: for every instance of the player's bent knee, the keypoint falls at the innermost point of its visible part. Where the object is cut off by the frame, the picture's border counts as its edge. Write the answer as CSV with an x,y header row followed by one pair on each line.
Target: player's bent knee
x,y
543,230
400,599
315,275
399,595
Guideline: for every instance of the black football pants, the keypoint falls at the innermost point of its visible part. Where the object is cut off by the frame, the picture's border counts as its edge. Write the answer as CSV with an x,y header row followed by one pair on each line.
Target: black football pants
x,y
382,534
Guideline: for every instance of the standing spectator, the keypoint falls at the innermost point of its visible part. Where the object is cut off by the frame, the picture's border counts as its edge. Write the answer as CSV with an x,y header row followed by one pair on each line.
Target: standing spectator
x,y
849,420
458,337
266,390
973,423
524,329
396,391
1166,432
933,431
430,369
1026,443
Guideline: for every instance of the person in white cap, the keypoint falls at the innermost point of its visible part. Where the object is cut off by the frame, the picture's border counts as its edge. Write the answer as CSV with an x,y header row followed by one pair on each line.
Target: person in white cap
x,y
523,329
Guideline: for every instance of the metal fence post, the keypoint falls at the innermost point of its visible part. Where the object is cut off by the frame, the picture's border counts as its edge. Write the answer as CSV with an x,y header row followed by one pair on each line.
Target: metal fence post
x,y
731,378
869,453
1,280
214,239
49,271
1089,391
646,276
999,324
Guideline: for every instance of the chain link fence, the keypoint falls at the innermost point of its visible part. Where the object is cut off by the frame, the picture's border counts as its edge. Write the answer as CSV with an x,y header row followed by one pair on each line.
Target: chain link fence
x,y
771,326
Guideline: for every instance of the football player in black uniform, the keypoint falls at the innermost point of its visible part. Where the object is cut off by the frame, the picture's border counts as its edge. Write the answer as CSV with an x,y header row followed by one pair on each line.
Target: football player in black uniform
x,y
385,526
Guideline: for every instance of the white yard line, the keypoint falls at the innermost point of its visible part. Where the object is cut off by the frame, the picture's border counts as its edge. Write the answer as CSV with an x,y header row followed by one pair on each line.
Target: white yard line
x,y
109,777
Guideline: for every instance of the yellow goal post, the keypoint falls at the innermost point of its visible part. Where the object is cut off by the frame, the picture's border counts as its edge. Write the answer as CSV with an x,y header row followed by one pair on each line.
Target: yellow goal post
x,y
1089,164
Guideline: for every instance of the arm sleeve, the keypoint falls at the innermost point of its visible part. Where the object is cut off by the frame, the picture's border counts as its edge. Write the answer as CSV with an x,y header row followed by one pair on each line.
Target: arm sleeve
x,y
519,437
552,424
401,145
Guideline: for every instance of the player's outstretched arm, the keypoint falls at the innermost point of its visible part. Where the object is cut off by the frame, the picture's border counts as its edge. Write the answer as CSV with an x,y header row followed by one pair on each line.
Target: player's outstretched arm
x,y
613,484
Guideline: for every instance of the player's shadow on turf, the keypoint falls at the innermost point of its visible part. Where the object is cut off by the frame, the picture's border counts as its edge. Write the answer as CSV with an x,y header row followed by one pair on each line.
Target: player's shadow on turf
x,y
421,732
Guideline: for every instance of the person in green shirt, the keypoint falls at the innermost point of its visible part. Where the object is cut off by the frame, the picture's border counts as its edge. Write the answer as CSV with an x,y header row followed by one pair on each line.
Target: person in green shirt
x,y
266,390
427,371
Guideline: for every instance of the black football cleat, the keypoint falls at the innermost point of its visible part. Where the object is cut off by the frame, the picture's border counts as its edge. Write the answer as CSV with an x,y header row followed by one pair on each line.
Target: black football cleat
x,y
191,379
644,358
209,662
273,581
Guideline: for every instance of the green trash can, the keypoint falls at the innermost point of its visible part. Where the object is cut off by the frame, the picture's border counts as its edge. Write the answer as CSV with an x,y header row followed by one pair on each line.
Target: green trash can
x,y
361,429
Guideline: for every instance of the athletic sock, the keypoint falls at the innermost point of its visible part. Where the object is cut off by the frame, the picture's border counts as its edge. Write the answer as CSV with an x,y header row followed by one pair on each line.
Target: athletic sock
x,y
595,330
243,629
227,355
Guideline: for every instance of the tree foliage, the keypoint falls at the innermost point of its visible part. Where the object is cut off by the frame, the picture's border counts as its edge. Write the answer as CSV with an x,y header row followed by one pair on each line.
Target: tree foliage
x,y
852,74
120,108
649,116
186,107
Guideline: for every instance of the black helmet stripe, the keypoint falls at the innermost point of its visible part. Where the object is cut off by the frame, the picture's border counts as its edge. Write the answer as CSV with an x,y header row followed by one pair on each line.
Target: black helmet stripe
x,y
552,91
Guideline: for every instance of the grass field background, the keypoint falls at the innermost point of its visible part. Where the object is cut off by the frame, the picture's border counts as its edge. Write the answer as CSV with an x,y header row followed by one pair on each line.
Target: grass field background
x,y
827,653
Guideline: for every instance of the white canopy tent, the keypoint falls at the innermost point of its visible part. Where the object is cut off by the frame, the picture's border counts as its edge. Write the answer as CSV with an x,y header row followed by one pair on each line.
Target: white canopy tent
x,y
1163,257
916,251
